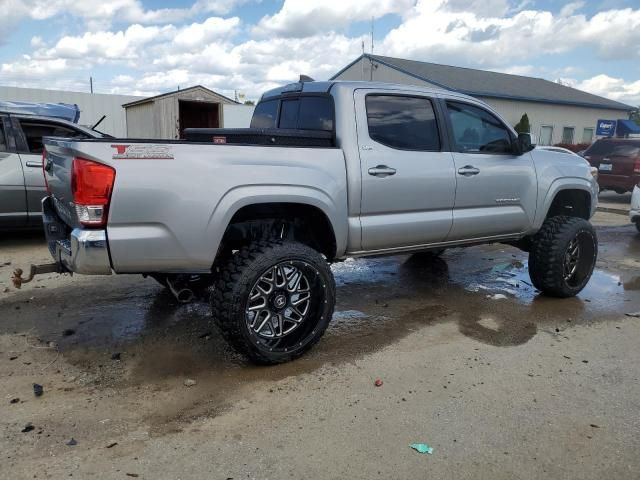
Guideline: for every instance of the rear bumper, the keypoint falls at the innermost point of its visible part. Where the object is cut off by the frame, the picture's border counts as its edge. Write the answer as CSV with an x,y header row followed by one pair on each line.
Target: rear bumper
x,y
78,251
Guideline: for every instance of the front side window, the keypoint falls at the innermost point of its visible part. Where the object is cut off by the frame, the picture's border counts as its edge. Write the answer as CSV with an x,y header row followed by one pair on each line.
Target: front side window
x,y
477,131
406,123
34,131
567,135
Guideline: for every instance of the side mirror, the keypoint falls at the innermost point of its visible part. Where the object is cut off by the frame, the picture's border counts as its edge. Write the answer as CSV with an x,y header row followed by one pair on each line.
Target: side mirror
x,y
524,143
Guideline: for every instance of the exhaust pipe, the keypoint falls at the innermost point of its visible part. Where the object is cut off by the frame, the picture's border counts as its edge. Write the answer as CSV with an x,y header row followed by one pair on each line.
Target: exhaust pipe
x,y
182,294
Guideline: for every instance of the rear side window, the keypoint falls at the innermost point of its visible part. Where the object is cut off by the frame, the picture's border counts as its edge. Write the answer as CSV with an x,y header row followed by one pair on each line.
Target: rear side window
x,y
477,131
316,113
34,131
405,123
265,114
289,114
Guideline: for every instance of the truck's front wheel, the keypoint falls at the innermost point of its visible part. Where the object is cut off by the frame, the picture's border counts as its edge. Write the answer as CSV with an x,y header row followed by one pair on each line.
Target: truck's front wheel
x,y
562,256
273,300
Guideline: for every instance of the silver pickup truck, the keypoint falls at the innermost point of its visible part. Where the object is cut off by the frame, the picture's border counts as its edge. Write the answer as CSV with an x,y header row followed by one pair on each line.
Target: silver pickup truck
x,y
328,170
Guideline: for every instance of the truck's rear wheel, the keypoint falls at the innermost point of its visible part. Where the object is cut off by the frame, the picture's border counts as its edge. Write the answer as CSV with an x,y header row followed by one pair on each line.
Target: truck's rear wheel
x,y
273,300
563,255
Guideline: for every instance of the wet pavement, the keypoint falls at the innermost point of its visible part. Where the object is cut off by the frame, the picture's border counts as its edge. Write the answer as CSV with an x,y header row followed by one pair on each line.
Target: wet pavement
x,y
65,332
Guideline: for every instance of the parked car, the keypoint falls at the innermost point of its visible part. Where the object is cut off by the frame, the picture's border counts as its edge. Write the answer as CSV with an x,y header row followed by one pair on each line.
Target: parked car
x,y
22,186
617,161
330,170
634,212
552,148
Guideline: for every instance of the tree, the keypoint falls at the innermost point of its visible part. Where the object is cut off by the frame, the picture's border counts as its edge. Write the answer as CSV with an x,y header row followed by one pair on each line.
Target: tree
x,y
635,115
249,102
523,125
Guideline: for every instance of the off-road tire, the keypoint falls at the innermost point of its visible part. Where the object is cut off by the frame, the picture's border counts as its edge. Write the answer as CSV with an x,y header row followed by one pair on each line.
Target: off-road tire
x,y
547,256
235,281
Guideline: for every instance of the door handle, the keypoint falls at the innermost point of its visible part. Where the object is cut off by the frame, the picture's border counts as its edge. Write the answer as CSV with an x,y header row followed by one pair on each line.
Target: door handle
x,y
382,171
468,170
34,164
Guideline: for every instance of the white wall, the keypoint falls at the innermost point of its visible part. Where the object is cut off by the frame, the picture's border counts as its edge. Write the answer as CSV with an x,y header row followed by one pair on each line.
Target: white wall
x,y
555,115
92,106
237,116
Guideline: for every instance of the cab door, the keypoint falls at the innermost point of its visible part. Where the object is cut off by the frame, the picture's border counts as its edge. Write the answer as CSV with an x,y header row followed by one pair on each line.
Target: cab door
x,y
496,192
13,200
408,178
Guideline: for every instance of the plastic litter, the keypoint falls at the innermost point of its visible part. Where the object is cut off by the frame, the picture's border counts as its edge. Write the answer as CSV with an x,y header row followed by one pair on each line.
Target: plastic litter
x,y
497,296
633,314
422,448
72,442
378,382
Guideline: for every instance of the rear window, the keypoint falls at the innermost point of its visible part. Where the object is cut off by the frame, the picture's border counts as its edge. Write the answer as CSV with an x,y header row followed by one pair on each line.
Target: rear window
x,y
303,113
612,148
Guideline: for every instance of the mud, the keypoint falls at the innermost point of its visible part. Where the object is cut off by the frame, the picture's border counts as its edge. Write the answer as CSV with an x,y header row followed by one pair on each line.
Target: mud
x,y
383,305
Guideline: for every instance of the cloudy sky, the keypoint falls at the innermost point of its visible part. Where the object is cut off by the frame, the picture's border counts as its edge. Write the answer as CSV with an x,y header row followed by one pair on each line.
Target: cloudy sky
x,y
151,46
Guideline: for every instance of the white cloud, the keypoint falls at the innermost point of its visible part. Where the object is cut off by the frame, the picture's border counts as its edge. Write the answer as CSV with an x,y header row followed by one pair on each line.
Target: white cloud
x,y
161,50
310,17
614,88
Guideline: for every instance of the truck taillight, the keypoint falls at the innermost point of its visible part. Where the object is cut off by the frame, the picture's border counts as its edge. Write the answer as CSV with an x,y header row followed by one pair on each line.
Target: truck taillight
x,y
91,184
44,172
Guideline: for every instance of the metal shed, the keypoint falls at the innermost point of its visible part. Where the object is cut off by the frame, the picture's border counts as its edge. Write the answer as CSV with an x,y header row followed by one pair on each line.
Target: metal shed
x,y
166,116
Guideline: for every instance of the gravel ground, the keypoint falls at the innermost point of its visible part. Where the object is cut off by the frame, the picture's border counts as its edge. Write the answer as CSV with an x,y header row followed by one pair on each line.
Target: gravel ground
x,y
521,387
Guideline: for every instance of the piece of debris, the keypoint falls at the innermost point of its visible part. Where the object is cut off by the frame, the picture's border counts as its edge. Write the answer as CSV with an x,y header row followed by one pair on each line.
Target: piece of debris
x,y
111,445
14,400
116,356
633,314
72,442
38,390
593,425
13,357
585,361
6,290
378,382
135,475
189,382
205,335
497,296
422,448
68,332
27,428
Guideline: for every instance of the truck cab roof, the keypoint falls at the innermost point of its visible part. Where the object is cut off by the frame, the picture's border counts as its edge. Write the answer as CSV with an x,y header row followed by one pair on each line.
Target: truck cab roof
x,y
327,86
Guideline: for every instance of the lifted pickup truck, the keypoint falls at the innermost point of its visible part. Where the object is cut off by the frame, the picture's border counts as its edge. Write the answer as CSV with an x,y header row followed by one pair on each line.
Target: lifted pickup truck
x,y
327,171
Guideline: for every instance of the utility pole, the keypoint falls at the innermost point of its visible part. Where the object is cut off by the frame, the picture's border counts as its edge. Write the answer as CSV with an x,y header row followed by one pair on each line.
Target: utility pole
x,y
362,60
371,35
91,84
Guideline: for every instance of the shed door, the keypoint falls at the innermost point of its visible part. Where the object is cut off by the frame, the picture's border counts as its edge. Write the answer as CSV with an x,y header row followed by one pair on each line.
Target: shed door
x,y
198,115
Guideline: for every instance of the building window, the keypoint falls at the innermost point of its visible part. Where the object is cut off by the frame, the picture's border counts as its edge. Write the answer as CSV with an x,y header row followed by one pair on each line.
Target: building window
x,y
587,135
567,135
546,135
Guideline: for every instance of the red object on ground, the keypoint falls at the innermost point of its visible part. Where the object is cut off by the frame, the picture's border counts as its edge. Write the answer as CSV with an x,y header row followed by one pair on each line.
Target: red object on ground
x,y
378,382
